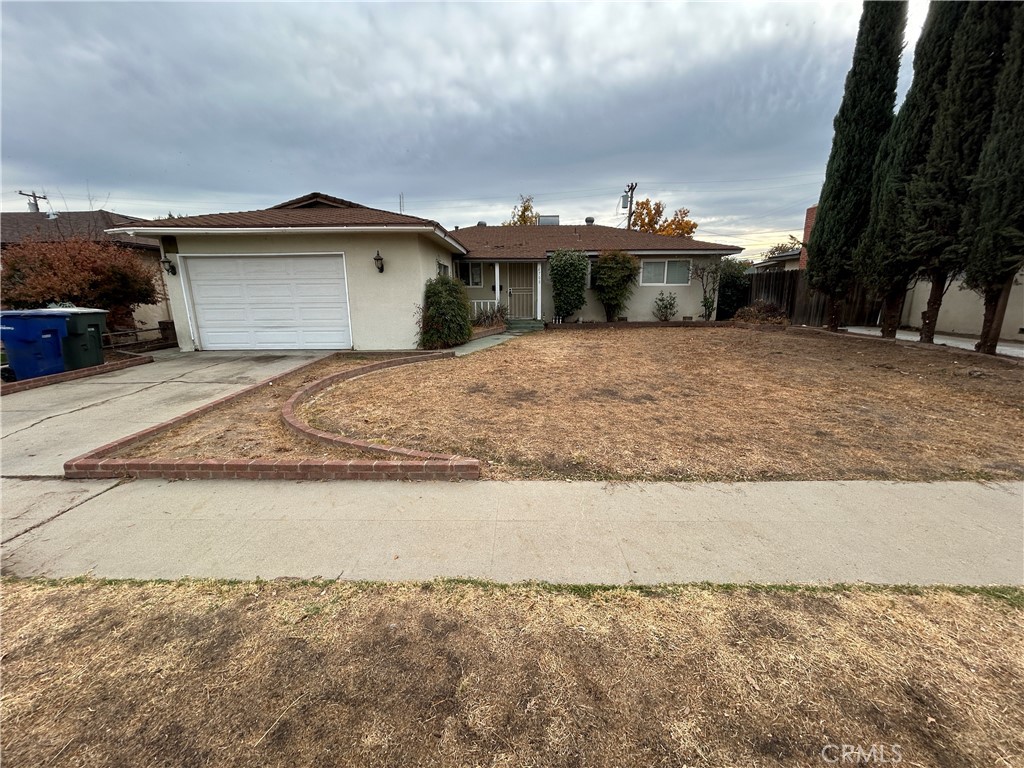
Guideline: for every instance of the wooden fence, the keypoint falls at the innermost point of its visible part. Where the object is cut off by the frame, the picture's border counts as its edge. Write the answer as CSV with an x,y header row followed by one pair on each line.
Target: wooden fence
x,y
804,306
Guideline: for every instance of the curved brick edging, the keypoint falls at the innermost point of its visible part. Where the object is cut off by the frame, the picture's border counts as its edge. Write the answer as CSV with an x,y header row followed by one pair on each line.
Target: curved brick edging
x,y
297,425
95,465
9,388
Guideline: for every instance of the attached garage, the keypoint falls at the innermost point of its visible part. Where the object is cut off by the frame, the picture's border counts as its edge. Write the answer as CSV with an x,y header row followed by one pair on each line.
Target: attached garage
x,y
270,302
317,273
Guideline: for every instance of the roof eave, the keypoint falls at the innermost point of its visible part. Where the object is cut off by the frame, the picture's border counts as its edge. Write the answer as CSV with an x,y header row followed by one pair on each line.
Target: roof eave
x,y
435,231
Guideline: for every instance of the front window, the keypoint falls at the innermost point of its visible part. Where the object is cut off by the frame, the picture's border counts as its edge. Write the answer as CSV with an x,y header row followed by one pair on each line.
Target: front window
x,y
471,274
442,270
665,272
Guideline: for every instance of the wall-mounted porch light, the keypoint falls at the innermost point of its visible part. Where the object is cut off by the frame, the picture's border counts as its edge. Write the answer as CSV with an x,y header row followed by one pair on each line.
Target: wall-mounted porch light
x,y
168,266
378,261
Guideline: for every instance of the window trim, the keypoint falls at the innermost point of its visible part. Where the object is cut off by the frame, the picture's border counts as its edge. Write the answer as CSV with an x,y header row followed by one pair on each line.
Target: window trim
x,y
689,272
469,268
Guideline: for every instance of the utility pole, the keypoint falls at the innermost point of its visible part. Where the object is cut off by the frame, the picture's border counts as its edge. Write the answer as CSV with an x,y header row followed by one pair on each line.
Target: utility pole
x,y
629,216
34,205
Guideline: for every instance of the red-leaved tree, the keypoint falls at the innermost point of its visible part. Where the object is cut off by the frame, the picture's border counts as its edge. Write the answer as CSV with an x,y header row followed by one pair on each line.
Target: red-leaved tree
x,y
82,272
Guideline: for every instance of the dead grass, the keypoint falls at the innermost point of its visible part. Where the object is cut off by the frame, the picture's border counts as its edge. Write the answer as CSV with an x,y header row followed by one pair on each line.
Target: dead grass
x,y
698,404
250,427
441,674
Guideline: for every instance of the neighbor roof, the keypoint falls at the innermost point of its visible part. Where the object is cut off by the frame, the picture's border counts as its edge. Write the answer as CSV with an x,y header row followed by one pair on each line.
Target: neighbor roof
x,y
21,226
537,241
312,210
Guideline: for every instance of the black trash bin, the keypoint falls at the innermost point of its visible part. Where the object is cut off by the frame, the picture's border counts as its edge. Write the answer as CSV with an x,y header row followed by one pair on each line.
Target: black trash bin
x,y
83,346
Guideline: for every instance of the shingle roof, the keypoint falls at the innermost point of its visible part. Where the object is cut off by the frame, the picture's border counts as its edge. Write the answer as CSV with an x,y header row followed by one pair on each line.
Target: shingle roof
x,y
534,242
19,226
312,210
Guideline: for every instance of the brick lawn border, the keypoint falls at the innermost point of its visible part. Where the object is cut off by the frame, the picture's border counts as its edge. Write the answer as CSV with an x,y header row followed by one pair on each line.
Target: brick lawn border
x,y
415,465
9,388
494,330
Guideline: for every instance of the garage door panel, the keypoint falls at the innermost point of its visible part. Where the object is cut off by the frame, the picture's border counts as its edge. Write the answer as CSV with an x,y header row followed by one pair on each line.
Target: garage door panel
x,y
275,315
226,315
277,302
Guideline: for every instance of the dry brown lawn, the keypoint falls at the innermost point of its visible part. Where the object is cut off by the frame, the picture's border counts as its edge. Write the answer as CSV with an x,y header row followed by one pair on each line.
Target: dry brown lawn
x,y
444,674
698,404
250,427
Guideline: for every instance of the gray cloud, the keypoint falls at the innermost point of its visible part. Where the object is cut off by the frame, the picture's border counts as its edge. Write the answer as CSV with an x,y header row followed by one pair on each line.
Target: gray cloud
x,y
461,107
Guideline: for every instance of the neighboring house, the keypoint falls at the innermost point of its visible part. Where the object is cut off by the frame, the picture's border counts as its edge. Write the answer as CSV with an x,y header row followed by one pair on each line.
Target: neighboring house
x,y
508,264
20,227
789,261
316,272
962,310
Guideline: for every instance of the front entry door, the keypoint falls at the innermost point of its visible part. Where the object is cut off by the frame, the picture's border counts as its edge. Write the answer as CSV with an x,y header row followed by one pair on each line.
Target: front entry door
x,y
520,291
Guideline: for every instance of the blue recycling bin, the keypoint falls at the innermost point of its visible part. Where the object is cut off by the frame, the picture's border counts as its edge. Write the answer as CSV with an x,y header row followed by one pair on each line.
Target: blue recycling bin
x,y
34,341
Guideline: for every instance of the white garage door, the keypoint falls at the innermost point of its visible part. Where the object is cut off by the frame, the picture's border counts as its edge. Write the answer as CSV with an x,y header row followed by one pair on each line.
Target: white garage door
x,y
270,302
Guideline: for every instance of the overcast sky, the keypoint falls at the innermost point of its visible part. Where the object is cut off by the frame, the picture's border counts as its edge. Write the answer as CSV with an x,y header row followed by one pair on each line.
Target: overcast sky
x,y
145,108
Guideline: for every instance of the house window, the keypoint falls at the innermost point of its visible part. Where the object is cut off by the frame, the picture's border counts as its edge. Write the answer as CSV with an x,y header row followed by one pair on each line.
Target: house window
x,y
668,272
442,270
471,274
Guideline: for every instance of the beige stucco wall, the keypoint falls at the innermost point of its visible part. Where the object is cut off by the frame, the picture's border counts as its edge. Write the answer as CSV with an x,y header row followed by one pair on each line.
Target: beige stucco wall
x,y
382,305
962,310
148,316
641,304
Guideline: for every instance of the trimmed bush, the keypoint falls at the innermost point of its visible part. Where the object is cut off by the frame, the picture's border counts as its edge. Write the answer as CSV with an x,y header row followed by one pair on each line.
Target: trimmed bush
x,y
445,317
615,275
568,281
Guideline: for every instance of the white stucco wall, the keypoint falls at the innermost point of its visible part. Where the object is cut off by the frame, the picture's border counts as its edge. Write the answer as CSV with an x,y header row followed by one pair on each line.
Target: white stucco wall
x,y
963,310
148,316
382,305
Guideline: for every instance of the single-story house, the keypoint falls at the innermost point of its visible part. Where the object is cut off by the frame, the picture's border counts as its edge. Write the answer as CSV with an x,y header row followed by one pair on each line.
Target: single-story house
x,y
319,272
787,261
510,265
19,227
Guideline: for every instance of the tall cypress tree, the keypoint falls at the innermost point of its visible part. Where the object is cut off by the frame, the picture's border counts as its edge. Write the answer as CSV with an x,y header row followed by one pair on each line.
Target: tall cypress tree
x,y
860,125
938,192
992,230
880,260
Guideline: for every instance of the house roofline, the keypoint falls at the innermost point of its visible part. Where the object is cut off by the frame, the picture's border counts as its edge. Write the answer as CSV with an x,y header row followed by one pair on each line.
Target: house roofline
x,y
437,231
642,253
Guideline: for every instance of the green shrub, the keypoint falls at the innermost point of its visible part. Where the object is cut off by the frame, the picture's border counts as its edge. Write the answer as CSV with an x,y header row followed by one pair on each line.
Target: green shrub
x,y
762,311
568,281
445,314
615,275
490,316
734,288
665,306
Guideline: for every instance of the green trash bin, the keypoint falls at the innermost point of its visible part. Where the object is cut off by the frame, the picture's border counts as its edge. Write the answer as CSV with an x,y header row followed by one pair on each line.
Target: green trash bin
x,y
83,346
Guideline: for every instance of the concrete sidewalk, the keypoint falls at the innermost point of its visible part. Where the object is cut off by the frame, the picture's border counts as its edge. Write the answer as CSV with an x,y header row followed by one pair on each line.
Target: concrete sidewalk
x,y
1008,348
882,532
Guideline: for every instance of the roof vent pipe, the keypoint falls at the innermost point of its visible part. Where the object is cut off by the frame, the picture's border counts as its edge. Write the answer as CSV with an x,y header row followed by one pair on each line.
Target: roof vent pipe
x,y
590,221
481,223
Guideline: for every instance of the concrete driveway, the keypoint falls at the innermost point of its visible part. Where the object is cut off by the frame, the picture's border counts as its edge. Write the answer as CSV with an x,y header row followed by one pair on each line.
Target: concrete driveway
x,y
42,428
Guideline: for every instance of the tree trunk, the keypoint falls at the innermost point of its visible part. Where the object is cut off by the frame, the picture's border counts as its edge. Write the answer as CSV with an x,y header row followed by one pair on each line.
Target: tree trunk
x,y
995,310
892,311
930,316
834,313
